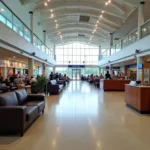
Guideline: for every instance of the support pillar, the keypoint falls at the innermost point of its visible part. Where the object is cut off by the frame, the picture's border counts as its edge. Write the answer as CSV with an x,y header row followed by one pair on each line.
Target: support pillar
x,y
5,72
110,69
44,70
140,18
54,69
100,53
30,67
44,39
54,52
31,25
111,42
139,71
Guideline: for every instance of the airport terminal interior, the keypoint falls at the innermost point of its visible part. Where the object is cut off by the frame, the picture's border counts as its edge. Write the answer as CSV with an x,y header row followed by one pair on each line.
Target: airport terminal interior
x,y
74,74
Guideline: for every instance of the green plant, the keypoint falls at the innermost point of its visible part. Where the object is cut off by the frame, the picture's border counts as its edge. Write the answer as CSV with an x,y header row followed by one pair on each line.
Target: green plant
x,y
39,85
41,82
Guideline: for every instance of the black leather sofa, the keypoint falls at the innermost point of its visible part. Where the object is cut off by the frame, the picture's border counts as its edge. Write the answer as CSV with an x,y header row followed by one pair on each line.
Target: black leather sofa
x,y
19,110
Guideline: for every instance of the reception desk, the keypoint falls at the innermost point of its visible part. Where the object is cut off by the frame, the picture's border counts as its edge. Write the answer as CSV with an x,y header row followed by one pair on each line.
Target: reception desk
x,y
113,85
138,98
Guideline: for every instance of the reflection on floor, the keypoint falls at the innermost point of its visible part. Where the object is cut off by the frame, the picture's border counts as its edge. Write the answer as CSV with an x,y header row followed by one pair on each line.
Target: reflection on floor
x,y
84,118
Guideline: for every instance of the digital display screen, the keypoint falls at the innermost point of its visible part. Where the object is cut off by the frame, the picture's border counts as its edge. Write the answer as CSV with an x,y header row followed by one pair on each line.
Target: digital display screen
x,y
140,66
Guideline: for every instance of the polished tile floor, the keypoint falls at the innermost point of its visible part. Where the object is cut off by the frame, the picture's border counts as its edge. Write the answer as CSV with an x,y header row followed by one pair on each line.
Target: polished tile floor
x,y
84,118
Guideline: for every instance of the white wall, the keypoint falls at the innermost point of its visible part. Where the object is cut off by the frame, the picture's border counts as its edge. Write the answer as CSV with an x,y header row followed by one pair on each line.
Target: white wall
x,y
23,14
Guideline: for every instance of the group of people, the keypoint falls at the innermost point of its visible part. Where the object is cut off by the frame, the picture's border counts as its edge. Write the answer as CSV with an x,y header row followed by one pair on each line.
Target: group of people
x,y
15,80
56,76
91,78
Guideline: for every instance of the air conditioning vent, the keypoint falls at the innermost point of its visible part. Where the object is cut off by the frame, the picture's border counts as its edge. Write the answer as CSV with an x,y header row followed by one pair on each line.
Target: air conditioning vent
x,y
81,35
84,18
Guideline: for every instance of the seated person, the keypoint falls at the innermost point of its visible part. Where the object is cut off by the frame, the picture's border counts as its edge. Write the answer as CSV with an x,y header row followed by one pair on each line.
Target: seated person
x,y
20,81
33,80
107,75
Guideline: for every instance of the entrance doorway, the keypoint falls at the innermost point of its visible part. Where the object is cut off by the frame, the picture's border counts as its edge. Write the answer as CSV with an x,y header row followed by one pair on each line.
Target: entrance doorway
x,y
76,74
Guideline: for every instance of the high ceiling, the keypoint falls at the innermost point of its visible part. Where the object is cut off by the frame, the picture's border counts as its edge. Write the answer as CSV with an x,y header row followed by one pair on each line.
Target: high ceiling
x,y
75,20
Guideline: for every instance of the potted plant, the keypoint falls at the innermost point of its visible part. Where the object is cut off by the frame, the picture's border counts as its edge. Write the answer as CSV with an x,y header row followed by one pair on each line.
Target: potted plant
x,y
38,87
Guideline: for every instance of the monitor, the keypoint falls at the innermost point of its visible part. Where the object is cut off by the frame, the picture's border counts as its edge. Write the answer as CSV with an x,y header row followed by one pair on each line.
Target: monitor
x,y
140,66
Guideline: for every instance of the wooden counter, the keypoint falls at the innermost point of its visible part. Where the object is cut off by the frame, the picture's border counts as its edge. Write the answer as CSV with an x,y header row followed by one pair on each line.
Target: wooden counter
x,y
138,98
113,85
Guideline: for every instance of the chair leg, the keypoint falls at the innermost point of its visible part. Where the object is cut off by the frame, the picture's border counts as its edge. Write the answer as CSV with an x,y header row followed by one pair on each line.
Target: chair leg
x,y
43,111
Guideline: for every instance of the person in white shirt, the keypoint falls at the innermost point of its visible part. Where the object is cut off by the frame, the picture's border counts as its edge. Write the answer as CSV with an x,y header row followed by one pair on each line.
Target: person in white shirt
x,y
33,80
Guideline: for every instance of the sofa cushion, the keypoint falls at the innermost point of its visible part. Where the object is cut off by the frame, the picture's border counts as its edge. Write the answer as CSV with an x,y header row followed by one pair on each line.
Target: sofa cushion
x,y
8,99
31,112
40,104
22,96
53,82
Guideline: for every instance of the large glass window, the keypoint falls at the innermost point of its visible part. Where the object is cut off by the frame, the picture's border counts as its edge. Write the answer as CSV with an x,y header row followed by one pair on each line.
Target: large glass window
x,y
5,15
77,54
12,21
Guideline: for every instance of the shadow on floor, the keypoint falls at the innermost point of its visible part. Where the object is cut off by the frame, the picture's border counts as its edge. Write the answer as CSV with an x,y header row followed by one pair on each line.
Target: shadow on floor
x,y
9,138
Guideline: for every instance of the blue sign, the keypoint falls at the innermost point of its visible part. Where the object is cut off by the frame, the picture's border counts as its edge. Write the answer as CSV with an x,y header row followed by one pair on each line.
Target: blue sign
x,y
76,66
140,66
112,68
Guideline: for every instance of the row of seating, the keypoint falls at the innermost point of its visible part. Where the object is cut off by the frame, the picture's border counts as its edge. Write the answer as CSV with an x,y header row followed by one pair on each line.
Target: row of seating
x,y
55,86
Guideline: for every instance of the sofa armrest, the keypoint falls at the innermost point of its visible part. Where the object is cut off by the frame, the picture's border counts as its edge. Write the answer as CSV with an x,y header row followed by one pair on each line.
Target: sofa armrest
x,y
36,97
12,118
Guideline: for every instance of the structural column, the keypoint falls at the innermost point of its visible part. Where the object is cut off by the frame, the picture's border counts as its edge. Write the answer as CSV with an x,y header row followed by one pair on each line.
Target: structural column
x,y
30,66
100,53
140,18
5,72
111,42
44,70
54,52
139,71
111,69
54,69
44,39
31,25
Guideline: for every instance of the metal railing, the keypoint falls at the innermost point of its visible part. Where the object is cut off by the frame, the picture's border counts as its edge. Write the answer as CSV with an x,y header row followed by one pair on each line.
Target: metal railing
x,y
8,18
130,39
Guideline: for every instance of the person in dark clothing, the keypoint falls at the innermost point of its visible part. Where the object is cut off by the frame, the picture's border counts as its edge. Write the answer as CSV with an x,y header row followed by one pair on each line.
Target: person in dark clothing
x,y
51,76
12,79
107,76
57,76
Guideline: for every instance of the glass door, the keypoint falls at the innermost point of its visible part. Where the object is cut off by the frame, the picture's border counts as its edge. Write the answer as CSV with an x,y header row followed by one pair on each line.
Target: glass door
x,y
76,74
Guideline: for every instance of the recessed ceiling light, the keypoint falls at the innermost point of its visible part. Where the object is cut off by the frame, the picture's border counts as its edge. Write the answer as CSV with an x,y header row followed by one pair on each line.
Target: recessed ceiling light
x,y
2,9
51,10
55,20
45,4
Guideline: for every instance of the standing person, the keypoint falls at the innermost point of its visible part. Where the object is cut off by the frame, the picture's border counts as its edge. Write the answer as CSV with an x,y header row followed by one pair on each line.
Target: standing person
x,y
101,76
51,76
64,77
57,76
107,75
60,77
